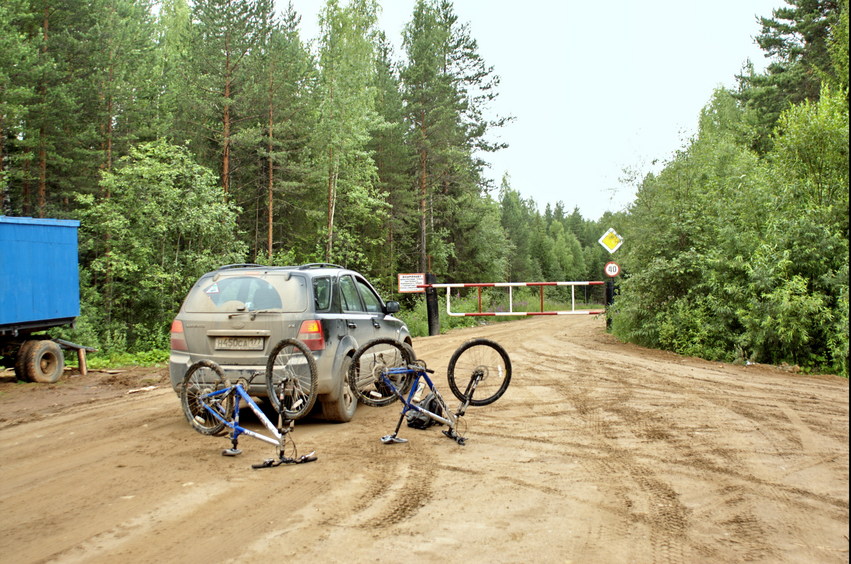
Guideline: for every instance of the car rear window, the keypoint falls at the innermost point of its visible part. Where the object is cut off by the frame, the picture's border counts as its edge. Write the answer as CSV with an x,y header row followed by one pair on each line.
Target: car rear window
x,y
248,291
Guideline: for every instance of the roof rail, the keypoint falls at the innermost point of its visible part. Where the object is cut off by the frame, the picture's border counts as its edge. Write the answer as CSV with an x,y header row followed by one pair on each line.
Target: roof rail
x,y
240,265
319,265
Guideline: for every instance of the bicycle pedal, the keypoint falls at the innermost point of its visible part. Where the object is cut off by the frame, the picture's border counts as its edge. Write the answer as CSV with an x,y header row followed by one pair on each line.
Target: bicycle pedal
x,y
231,452
455,437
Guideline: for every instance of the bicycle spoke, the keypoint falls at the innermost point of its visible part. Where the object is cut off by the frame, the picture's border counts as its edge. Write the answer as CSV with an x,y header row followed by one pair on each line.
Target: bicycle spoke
x,y
480,371
291,378
203,378
374,362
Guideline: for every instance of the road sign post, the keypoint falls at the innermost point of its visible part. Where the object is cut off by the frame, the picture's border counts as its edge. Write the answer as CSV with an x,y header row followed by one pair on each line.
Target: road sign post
x,y
611,241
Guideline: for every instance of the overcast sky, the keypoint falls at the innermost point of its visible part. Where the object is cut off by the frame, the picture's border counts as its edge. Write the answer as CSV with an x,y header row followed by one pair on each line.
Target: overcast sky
x,y
595,88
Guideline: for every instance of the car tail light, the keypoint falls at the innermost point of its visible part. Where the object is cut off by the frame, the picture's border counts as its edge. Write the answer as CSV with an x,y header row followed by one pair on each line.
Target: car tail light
x,y
311,334
178,337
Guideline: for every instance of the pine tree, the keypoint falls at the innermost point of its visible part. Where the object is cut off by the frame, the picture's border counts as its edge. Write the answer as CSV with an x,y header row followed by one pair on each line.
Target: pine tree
x,y
797,41
224,35
18,57
271,147
394,161
447,87
172,70
347,116
123,76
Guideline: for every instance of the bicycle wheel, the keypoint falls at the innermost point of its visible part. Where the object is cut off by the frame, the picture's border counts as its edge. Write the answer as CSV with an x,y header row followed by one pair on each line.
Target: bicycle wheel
x,y
291,377
483,358
201,379
371,361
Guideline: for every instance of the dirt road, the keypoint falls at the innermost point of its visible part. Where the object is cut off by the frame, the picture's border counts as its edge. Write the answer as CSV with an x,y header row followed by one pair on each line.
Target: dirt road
x,y
598,452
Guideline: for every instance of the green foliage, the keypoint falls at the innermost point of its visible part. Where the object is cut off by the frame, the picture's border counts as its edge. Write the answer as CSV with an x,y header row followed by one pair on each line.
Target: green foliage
x,y
782,321
837,343
838,47
733,257
812,151
804,51
212,133
162,225
99,361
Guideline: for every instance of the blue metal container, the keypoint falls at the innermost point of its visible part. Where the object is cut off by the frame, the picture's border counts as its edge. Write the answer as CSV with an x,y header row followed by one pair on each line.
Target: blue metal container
x,y
39,277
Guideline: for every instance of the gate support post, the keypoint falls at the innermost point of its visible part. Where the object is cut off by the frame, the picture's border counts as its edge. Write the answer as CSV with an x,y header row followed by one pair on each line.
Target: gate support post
x,y
432,307
610,299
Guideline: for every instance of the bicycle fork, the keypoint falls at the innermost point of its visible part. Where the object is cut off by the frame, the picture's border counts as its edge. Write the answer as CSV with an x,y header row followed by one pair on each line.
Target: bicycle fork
x,y
452,432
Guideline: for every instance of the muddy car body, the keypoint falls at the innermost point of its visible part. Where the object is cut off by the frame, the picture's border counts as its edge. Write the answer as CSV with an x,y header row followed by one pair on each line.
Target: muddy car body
x,y
235,315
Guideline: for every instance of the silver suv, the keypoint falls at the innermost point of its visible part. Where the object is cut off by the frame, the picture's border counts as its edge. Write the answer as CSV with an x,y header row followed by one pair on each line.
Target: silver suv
x,y
235,315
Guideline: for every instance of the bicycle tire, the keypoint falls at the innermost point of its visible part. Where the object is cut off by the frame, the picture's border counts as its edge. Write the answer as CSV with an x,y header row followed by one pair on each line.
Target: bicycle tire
x,y
367,365
202,378
479,356
291,365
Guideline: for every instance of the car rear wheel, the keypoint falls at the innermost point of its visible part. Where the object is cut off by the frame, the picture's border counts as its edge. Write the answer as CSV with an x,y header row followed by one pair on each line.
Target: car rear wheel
x,y
376,362
340,407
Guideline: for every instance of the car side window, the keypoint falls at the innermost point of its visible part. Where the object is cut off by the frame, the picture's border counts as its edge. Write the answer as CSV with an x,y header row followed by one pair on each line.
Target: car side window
x,y
373,302
349,294
322,293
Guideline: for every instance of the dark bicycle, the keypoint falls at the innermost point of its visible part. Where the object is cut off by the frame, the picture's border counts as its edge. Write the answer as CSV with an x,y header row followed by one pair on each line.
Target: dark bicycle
x,y
386,370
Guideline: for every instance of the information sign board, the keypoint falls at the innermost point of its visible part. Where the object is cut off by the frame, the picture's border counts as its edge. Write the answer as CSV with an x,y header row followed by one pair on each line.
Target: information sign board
x,y
408,282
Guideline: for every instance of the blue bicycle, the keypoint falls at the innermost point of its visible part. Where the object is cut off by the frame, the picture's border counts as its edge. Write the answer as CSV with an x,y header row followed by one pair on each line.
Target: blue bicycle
x,y
386,370
211,403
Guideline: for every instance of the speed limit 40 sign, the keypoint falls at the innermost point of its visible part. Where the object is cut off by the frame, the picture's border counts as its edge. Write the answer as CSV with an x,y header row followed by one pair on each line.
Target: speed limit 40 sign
x,y
612,269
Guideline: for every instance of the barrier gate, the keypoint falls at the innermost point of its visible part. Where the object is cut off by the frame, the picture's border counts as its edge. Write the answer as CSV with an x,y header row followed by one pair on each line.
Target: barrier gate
x,y
511,286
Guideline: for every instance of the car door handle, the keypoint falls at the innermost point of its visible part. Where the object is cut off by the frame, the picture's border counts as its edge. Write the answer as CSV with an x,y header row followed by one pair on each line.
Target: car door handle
x,y
376,324
351,325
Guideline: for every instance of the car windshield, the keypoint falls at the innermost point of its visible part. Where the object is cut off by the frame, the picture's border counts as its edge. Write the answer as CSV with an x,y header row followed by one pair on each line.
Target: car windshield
x,y
248,291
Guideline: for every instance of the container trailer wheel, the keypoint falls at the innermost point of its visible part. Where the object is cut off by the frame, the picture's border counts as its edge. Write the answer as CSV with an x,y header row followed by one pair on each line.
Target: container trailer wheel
x,y
42,361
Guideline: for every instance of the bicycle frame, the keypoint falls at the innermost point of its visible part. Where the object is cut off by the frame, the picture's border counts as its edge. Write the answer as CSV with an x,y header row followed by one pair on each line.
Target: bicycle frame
x,y
234,425
382,370
279,433
451,419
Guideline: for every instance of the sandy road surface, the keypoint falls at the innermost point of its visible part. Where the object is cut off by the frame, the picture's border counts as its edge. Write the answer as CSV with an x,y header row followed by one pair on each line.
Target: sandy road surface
x,y
598,452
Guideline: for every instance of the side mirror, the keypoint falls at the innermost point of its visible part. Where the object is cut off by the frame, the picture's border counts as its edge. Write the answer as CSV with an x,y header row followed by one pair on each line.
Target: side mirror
x,y
391,307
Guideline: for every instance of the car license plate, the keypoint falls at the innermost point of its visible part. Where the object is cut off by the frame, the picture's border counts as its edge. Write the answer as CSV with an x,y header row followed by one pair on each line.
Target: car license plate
x,y
239,343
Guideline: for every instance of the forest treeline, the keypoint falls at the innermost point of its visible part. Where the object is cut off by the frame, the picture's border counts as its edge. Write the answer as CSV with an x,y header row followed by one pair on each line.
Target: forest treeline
x,y
739,246
186,135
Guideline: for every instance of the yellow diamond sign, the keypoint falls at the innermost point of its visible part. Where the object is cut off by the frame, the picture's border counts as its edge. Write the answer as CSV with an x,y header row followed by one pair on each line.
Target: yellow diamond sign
x,y
611,240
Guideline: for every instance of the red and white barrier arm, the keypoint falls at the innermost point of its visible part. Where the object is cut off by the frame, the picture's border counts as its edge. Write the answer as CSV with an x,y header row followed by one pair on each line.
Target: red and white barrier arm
x,y
511,286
